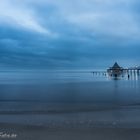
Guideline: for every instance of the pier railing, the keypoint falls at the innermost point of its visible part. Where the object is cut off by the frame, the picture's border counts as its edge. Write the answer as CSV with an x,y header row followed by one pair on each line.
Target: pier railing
x,y
123,70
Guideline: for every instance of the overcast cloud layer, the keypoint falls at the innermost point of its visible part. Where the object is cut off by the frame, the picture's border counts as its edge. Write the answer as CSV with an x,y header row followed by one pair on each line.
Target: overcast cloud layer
x,y
74,34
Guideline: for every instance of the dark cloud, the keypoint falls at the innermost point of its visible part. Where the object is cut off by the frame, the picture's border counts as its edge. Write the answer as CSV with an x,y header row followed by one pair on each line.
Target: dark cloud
x,y
57,38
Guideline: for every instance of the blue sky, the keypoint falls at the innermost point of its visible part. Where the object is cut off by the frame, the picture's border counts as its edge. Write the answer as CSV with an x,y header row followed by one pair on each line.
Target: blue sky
x,y
74,34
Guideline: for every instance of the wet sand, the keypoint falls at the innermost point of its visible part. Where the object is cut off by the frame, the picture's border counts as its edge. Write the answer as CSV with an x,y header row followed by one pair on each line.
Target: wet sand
x,y
112,124
28,132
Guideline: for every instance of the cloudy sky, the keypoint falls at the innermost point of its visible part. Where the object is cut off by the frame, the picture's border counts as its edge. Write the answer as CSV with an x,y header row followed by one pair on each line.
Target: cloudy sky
x,y
69,34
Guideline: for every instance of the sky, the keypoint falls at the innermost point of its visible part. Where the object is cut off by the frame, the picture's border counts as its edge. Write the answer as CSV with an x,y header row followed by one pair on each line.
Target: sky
x,y
69,34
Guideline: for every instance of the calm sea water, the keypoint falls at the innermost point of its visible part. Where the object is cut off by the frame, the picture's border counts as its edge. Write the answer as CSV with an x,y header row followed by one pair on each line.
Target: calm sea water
x,y
48,90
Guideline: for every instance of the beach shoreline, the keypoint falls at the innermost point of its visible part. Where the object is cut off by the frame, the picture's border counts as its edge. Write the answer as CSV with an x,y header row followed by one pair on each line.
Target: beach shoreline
x,y
30,132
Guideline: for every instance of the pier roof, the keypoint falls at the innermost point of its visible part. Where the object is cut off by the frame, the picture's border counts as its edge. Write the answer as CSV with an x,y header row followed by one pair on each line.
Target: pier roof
x,y
116,66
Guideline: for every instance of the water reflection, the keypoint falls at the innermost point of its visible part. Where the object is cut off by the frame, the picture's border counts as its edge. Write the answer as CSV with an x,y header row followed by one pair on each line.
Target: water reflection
x,y
125,76
84,90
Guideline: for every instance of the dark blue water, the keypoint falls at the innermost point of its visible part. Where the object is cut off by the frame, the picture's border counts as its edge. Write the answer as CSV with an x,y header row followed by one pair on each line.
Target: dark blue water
x,y
36,90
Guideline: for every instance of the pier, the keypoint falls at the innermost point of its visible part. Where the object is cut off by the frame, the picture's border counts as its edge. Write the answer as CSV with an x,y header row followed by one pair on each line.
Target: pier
x,y
117,71
100,73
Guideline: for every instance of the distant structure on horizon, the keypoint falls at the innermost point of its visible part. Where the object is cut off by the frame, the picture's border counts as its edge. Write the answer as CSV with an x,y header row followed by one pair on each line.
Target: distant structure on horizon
x,y
115,70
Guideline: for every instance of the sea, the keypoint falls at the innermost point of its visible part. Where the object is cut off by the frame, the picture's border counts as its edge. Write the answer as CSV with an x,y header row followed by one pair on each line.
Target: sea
x,y
69,98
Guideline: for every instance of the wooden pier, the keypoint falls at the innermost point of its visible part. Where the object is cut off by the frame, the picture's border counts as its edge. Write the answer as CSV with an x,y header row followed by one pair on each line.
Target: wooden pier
x,y
104,73
116,71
